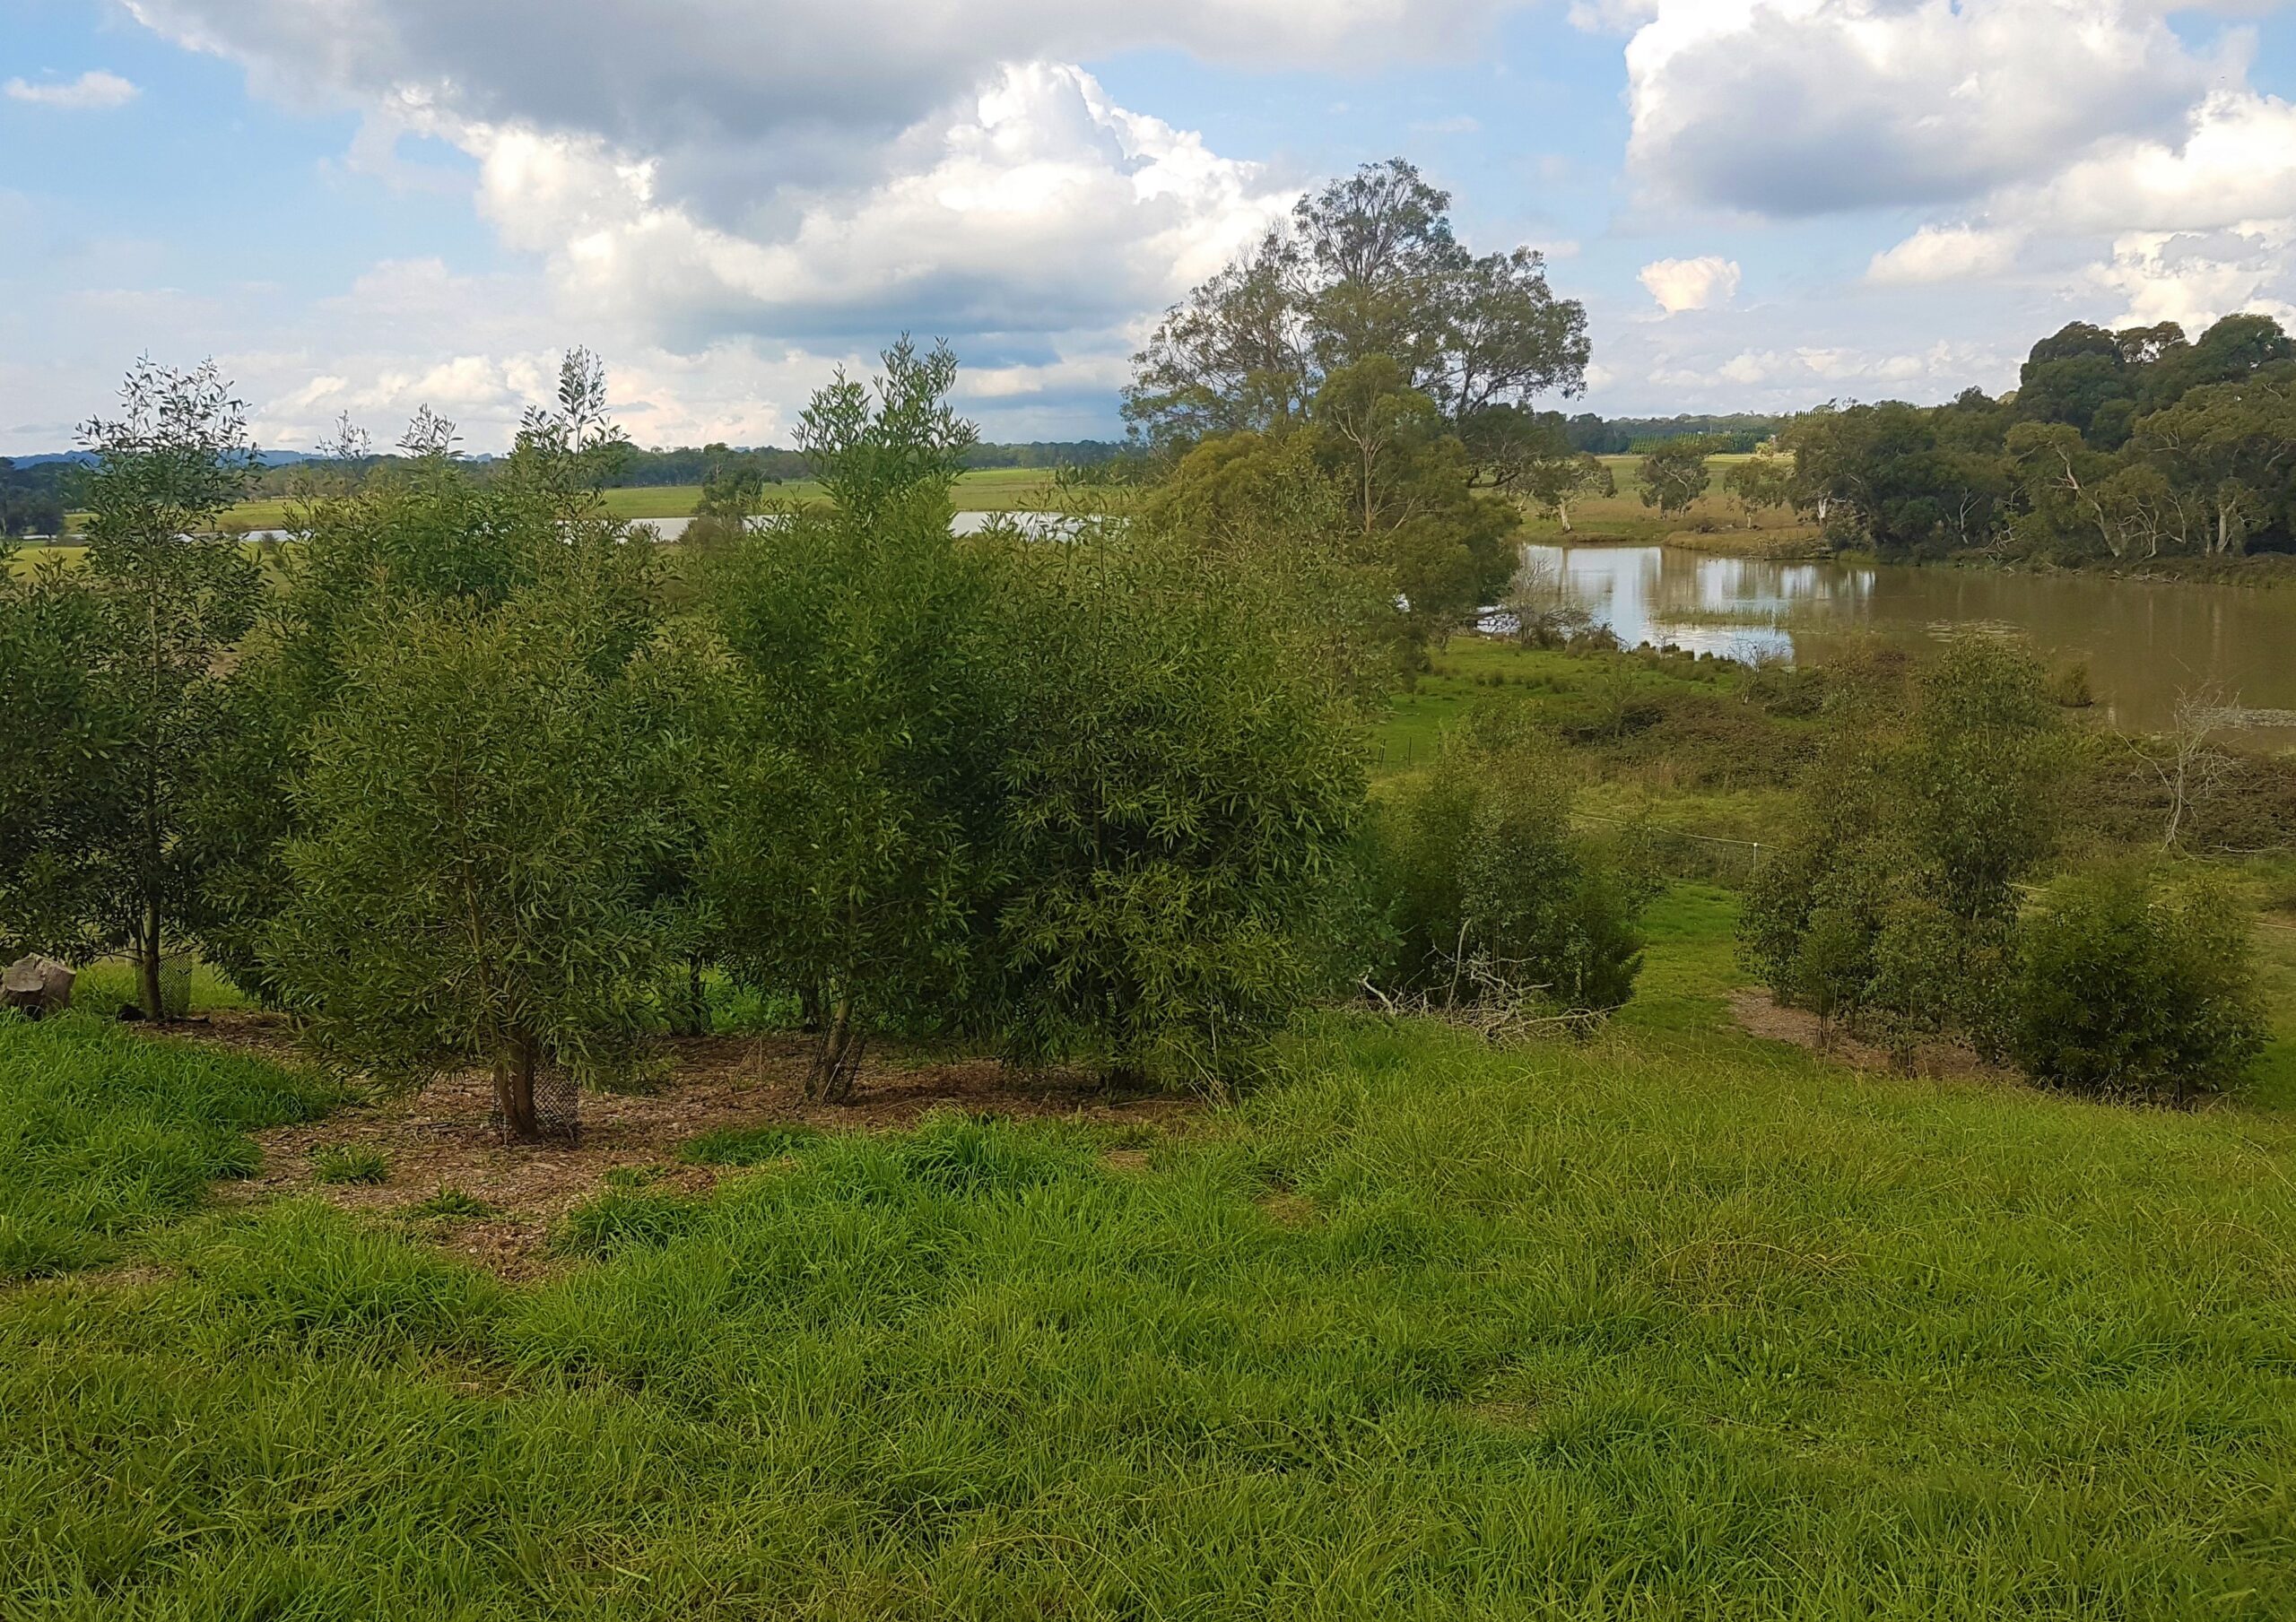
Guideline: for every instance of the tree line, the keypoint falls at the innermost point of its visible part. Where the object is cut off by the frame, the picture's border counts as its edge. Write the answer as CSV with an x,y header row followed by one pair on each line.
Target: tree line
x,y
2128,445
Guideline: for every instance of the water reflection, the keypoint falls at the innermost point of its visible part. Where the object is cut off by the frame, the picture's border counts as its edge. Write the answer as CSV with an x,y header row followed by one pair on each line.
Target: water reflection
x,y
2145,643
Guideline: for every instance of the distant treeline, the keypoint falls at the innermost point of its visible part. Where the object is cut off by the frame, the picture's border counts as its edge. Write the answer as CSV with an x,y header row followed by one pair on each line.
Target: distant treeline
x,y
1738,433
32,499
2127,446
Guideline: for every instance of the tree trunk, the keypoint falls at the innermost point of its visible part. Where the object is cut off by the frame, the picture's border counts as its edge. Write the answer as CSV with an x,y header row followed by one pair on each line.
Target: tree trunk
x,y
155,1008
514,1090
836,1057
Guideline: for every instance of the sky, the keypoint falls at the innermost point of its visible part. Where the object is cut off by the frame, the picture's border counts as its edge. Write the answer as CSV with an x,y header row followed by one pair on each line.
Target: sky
x,y
358,208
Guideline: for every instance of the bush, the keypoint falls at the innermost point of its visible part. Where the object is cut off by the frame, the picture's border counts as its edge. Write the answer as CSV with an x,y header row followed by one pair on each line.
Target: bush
x,y
2127,991
1484,884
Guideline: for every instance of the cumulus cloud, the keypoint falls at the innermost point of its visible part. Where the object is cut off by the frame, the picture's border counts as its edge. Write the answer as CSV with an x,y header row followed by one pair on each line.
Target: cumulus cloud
x,y
803,178
1803,106
94,90
732,99
1946,253
1688,284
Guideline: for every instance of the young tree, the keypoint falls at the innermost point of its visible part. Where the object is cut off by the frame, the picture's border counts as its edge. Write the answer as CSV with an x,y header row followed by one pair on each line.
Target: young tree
x,y
1182,784
474,832
1485,886
1935,794
2122,990
172,598
425,529
852,810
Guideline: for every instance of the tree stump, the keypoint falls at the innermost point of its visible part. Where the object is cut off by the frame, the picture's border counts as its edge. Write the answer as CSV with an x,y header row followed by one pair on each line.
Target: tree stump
x,y
37,986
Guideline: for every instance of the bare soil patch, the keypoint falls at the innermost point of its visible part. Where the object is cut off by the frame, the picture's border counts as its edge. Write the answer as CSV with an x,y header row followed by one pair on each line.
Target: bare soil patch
x,y
438,1138
1758,1016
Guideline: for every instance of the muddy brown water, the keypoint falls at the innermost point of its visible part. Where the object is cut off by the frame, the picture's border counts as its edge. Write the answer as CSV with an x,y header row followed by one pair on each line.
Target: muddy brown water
x,y
2146,643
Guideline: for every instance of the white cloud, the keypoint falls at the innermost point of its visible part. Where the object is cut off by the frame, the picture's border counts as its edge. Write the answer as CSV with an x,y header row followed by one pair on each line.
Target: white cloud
x,y
1946,253
684,189
1689,284
2195,278
1801,107
94,90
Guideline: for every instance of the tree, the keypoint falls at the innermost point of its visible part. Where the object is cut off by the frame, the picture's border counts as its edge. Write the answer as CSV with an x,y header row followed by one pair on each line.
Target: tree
x,y
1935,795
1182,784
62,756
1674,474
1487,891
1369,266
474,834
172,598
1760,484
851,808
424,528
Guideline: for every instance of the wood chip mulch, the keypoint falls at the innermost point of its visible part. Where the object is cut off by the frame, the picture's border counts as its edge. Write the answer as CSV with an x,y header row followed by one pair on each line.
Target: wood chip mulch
x,y
438,1138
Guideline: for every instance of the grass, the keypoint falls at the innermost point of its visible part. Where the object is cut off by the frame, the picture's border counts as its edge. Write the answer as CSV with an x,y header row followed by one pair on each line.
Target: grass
x,y
1673,1323
104,1134
341,1163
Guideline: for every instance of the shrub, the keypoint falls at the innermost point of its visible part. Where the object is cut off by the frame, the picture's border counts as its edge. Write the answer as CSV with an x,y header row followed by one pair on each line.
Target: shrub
x,y
1484,884
2127,991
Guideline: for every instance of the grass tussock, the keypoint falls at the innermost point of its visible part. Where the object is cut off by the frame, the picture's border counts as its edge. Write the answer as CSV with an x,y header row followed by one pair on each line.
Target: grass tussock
x,y
103,1133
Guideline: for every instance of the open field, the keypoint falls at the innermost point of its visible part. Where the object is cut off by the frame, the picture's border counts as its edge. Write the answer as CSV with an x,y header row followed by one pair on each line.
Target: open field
x,y
991,490
1678,1322
1714,521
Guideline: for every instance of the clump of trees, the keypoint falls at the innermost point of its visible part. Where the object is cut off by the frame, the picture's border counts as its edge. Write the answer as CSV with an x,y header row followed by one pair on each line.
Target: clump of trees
x,y
450,778
2127,446
1362,345
1897,908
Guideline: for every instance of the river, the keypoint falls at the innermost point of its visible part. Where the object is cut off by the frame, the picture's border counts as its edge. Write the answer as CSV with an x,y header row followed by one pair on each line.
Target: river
x,y
2146,643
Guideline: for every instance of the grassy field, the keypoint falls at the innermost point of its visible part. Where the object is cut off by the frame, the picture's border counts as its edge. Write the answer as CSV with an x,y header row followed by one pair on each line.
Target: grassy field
x,y
991,490
1714,521
1673,1323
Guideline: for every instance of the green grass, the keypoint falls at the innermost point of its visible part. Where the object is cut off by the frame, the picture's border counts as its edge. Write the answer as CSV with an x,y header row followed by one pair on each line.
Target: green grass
x,y
1670,1323
103,1133
348,1163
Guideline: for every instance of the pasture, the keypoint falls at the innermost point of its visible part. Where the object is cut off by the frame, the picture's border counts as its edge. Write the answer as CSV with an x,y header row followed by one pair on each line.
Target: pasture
x,y
1676,1323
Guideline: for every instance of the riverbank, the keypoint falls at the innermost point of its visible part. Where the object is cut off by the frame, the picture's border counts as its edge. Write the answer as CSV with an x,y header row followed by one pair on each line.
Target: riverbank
x,y
1807,543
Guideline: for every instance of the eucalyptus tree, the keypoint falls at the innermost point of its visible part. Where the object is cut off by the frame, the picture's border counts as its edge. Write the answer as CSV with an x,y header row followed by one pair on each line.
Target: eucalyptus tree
x,y
1182,780
474,833
1367,267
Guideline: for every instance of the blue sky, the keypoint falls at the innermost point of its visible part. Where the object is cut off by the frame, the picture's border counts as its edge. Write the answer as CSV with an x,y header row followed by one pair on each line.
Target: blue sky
x,y
358,206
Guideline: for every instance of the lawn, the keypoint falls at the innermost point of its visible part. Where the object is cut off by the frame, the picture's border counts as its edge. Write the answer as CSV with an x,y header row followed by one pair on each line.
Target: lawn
x,y
1671,1323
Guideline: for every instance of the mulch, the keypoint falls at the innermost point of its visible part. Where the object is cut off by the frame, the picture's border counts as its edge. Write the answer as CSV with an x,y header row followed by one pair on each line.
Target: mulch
x,y
438,1138
1757,1014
